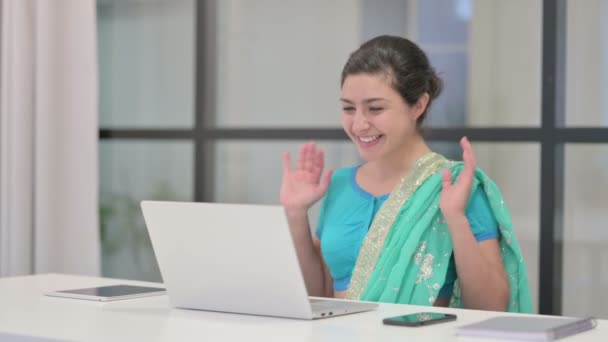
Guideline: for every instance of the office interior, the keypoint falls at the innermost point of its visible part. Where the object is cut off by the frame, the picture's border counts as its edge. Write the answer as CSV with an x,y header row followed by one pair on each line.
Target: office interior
x,y
196,101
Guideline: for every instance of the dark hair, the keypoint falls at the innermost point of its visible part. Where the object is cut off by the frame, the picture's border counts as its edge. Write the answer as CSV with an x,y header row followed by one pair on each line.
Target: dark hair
x,y
403,62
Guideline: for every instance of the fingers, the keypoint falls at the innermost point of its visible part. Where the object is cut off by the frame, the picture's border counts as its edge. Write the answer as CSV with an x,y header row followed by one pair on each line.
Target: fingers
x,y
309,157
446,179
286,163
468,171
467,155
301,156
318,165
306,157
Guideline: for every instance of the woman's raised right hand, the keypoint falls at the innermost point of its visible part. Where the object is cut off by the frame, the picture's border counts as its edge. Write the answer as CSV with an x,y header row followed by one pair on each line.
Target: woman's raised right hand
x,y
302,186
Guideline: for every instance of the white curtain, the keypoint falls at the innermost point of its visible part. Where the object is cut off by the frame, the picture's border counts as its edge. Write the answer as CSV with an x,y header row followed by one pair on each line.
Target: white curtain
x,y
48,137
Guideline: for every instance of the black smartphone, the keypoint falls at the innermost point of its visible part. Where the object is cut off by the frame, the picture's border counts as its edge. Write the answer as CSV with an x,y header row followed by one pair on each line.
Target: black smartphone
x,y
419,318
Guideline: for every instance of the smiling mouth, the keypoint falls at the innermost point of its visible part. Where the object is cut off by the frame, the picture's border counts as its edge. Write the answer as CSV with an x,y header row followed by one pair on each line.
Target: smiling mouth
x,y
370,139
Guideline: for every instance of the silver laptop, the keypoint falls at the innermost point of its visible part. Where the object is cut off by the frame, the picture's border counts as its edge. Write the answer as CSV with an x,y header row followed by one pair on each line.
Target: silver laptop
x,y
233,258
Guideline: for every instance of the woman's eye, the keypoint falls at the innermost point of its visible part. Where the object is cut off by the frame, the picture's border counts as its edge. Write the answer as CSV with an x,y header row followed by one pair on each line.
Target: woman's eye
x,y
348,109
375,109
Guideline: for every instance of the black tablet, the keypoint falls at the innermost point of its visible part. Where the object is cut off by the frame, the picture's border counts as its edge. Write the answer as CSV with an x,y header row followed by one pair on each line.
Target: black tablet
x,y
109,293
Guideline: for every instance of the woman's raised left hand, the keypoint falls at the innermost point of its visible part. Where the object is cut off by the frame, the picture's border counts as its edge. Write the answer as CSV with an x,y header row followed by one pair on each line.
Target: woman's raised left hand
x,y
455,195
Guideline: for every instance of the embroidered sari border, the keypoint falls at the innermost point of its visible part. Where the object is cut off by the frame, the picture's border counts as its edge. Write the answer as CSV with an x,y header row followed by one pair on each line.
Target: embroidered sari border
x,y
373,243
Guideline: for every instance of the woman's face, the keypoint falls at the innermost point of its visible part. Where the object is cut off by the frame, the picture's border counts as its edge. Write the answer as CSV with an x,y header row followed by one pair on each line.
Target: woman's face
x,y
375,117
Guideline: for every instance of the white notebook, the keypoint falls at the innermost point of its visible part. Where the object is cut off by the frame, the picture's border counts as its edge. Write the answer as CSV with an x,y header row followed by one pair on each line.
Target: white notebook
x,y
528,328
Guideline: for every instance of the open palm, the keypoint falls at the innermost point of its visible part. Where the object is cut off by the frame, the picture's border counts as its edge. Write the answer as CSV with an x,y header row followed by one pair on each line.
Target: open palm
x,y
454,196
302,186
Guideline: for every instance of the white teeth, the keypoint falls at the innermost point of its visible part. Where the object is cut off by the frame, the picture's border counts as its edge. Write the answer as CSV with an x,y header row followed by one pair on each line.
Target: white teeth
x,y
369,139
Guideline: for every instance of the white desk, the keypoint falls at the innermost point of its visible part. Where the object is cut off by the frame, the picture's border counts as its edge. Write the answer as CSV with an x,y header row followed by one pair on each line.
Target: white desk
x,y
24,310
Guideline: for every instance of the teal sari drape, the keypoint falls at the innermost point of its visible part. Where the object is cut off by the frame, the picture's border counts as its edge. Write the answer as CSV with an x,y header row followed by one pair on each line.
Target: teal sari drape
x,y
405,255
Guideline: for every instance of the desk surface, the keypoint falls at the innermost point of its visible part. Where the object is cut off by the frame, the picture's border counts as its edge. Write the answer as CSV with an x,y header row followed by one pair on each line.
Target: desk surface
x,y
24,310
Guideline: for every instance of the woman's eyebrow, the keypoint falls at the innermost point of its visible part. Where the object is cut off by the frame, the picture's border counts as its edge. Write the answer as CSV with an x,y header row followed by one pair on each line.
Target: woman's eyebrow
x,y
364,101
374,99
